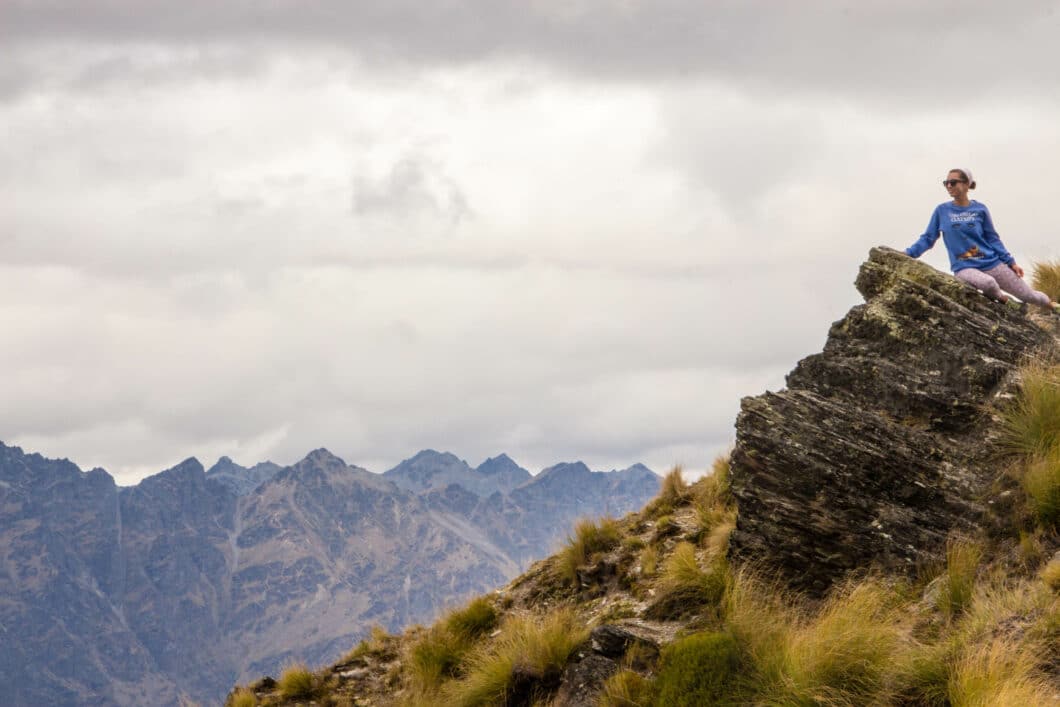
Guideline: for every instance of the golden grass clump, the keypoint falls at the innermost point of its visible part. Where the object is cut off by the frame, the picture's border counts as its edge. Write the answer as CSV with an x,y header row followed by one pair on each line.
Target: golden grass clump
x,y
242,697
1001,672
1032,423
475,619
588,539
1046,277
296,681
626,689
842,654
685,586
434,657
1041,481
958,583
376,643
712,500
649,561
531,647
673,491
438,654
1051,574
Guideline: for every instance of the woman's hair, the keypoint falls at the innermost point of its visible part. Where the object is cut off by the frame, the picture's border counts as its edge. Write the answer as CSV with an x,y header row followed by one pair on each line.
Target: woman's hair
x,y
967,174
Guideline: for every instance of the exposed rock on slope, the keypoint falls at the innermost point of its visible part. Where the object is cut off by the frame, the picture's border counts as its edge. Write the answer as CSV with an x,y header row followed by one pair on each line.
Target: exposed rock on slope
x,y
877,449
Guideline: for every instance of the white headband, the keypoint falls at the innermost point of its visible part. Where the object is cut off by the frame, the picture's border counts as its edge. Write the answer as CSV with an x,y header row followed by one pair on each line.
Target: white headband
x,y
967,173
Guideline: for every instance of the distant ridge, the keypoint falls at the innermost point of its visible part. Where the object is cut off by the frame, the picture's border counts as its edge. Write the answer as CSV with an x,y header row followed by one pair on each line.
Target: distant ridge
x,y
173,589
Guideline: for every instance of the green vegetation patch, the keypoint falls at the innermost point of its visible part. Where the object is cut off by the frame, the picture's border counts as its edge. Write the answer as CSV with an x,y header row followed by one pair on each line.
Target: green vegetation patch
x,y
698,671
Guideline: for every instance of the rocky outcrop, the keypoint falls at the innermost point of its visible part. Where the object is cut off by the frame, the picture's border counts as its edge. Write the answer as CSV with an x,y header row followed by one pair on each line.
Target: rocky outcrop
x,y
880,447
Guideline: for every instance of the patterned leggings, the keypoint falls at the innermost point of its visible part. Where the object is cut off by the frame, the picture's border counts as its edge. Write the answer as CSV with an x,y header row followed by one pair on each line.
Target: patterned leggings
x,y
998,278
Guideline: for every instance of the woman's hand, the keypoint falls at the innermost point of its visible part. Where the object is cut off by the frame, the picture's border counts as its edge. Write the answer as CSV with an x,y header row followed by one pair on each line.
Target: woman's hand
x,y
1017,269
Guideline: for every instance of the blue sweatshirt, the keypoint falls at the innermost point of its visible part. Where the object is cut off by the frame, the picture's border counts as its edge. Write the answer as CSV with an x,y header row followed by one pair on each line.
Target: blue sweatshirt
x,y
969,235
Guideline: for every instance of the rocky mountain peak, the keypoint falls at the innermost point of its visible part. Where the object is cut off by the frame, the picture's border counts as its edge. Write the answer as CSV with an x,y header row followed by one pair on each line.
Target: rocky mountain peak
x,y
430,470
322,458
498,464
880,446
563,471
240,479
503,472
189,471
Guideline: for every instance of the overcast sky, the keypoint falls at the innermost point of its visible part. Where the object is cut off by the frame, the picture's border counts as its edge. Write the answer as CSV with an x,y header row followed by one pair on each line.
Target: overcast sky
x,y
576,230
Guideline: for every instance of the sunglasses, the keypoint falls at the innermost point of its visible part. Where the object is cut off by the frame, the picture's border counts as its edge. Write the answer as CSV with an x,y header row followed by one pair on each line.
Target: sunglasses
x,y
953,182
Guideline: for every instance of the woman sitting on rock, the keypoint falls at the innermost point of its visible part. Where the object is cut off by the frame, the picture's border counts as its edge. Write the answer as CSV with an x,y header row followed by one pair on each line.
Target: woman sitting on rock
x,y
977,255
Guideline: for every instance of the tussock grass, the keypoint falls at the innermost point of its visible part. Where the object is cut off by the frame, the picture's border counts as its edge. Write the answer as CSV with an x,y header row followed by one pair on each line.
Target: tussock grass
x,y
685,586
962,563
1030,548
242,697
529,648
588,539
1046,277
682,574
1041,481
712,500
673,492
1051,575
626,689
438,654
475,619
296,682
375,644
1002,672
842,654
649,561
1032,423
434,658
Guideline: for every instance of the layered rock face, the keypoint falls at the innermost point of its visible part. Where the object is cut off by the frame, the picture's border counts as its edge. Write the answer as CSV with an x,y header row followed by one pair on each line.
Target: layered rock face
x,y
884,444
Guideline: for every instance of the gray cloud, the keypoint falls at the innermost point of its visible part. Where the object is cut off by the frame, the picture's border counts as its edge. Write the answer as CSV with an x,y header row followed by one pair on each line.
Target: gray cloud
x,y
414,188
220,221
860,48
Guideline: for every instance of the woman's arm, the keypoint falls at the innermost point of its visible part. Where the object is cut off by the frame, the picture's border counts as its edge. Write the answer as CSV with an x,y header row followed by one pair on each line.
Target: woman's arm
x,y
927,240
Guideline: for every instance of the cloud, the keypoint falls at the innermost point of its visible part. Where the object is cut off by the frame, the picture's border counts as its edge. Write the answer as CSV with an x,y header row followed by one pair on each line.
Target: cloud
x,y
414,189
558,230
866,49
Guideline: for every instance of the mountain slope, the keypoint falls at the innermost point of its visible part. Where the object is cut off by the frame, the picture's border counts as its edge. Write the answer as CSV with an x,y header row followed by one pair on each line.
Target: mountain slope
x,y
192,580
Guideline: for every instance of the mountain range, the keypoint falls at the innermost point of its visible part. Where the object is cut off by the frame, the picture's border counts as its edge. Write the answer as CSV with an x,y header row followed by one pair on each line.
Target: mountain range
x,y
174,589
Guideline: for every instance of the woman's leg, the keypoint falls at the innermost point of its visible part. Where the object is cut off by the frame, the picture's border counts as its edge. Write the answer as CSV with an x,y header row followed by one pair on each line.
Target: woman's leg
x,y
982,281
1013,284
